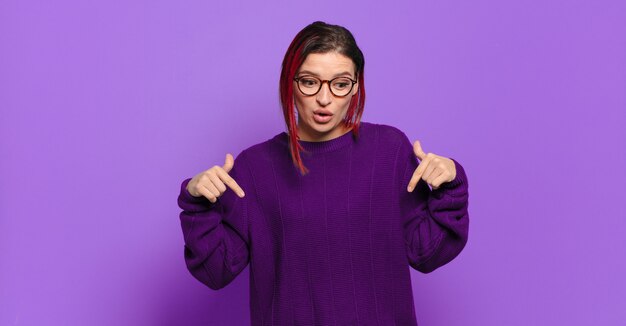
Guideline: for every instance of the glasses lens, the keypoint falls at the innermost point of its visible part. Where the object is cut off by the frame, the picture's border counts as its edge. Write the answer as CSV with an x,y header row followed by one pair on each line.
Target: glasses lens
x,y
341,86
309,85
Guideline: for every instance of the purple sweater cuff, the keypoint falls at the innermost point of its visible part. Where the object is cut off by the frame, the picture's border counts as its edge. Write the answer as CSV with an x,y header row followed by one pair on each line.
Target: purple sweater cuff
x,y
191,203
458,186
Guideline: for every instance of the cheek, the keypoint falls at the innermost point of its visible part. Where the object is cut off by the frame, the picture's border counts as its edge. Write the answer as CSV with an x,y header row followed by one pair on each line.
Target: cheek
x,y
301,102
345,104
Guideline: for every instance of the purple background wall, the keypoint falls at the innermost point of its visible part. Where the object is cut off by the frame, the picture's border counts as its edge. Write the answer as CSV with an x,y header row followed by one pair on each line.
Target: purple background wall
x,y
106,107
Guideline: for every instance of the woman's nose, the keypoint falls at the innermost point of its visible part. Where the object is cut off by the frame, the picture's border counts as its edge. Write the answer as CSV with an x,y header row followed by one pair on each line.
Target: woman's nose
x,y
324,96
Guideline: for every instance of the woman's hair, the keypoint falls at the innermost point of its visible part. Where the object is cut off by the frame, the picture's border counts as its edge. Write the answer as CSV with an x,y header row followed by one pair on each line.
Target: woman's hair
x,y
319,37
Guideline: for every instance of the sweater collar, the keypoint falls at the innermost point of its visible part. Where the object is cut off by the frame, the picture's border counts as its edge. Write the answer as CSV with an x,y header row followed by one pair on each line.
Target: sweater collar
x,y
326,145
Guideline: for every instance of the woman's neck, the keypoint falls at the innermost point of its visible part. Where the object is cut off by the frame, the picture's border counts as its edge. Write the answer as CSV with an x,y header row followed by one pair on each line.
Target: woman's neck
x,y
313,136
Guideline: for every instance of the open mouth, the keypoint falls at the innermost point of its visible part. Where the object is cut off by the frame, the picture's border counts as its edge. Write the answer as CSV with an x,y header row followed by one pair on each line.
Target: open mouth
x,y
322,117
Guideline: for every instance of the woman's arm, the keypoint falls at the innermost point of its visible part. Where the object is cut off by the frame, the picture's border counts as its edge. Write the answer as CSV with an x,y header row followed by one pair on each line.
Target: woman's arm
x,y
435,222
216,234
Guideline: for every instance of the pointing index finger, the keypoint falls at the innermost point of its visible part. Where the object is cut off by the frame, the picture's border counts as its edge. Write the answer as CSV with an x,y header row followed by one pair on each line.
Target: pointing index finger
x,y
230,182
417,174
414,180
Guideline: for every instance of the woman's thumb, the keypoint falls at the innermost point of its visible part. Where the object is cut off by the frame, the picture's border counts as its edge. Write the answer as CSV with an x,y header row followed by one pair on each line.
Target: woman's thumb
x,y
230,161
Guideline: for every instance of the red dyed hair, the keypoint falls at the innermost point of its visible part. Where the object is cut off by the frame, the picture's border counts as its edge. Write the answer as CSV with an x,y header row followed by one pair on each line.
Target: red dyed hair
x,y
319,37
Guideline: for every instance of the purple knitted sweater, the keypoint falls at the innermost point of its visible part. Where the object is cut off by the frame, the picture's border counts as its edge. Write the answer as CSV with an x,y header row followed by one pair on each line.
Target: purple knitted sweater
x,y
332,247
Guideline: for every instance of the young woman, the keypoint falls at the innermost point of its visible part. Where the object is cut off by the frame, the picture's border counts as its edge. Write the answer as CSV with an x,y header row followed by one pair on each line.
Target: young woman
x,y
331,213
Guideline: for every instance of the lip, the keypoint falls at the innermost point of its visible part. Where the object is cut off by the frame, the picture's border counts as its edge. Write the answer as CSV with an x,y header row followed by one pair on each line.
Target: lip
x,y
322,119
322,111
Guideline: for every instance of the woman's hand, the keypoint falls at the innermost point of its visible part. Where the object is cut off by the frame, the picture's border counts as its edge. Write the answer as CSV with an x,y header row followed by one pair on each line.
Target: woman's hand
x,y
434,169
212,182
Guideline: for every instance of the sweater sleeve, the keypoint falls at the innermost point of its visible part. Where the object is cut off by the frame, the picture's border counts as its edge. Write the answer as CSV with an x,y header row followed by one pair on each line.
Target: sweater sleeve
x,y
435,222
216,237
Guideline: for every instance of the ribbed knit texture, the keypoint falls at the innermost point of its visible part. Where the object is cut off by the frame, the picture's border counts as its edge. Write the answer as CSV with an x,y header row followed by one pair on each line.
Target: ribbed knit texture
x,y
332,247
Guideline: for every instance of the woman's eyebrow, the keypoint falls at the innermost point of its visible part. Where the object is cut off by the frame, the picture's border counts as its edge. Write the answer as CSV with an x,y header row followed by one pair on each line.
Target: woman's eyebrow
x,y
314,74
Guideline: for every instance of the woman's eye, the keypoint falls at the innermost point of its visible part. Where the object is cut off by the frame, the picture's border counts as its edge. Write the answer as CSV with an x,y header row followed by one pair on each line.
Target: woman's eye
x,y
340,85
308,82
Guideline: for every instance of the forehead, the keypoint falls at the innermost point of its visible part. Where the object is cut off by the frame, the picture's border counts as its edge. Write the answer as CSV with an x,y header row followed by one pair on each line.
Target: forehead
x,y
327,64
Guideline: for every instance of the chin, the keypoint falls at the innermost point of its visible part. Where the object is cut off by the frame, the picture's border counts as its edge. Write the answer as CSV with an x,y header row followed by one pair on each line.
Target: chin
x,y
326,127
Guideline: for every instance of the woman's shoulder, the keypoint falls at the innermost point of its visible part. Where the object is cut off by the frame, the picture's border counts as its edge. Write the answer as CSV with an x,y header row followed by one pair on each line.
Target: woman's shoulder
x,y
384,132
264,149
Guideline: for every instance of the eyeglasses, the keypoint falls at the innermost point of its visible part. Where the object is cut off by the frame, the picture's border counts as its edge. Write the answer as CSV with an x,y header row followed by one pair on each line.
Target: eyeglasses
x,y
339,86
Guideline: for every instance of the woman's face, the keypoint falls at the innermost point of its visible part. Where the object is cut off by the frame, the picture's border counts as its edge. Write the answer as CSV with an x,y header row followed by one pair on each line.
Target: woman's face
x,y
320,116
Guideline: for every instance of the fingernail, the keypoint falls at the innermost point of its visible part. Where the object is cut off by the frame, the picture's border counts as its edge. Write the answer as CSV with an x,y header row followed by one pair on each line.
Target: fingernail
x,y
241,194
